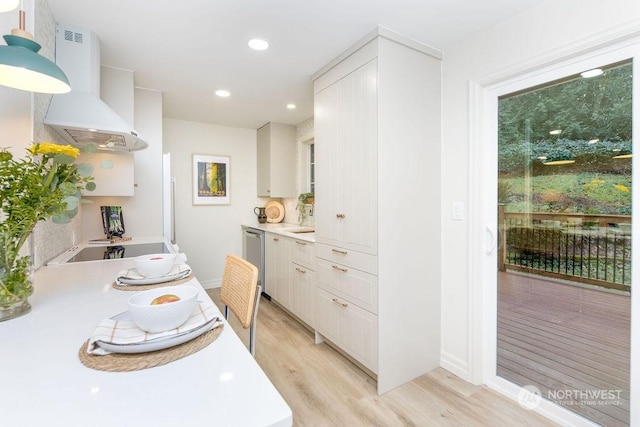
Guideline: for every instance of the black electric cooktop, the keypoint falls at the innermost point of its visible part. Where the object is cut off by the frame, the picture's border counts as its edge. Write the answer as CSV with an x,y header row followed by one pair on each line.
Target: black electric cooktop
x,y
95,253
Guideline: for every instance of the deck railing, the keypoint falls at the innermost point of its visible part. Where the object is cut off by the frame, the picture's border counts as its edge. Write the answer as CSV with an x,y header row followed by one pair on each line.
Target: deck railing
x,y
592,249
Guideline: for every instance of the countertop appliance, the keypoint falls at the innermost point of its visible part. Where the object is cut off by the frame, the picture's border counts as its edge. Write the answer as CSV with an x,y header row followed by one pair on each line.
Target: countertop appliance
x,y
253,251
99,250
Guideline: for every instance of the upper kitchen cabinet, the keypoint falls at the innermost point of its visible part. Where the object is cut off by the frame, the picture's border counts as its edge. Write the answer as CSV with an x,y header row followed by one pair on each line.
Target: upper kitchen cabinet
x,y
113,173
377,206
276,153
346,161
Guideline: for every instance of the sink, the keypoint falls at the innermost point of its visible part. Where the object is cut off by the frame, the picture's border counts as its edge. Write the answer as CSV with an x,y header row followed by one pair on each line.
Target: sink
x,y
299,230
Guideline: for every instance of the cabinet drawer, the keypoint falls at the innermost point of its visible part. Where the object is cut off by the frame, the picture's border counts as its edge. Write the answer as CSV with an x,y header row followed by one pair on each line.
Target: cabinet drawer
x,y
351,258
302,293
352,329
353,285
303,253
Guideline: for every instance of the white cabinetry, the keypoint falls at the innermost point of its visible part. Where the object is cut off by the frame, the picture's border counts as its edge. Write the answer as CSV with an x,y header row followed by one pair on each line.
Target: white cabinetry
x,y
302,280
276,270
377,213
290,276
113,173
276,151
347,161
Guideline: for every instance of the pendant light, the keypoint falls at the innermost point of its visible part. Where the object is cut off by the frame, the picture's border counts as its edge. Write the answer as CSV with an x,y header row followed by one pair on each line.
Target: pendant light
x,y
8,5
22,68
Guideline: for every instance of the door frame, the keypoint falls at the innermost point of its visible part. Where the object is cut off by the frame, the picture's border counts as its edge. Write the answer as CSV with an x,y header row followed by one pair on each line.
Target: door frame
x,y
483,100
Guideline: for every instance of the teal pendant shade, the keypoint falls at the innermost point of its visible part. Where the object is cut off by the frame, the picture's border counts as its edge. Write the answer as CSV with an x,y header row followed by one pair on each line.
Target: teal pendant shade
x,y
22,68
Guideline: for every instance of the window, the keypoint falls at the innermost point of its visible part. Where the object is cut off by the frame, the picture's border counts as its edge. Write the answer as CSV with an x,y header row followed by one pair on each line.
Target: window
x,y
311,176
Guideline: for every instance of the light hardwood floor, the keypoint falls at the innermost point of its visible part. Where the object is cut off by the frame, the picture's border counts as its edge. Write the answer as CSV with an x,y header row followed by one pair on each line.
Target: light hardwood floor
x,y
323,388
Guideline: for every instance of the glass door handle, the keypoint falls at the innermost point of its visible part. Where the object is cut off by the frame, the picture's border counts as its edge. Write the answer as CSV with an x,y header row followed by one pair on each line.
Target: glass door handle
x,y
491,239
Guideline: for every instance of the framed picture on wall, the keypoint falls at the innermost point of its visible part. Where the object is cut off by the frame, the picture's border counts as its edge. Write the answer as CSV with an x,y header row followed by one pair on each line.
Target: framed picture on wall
x,y
211,180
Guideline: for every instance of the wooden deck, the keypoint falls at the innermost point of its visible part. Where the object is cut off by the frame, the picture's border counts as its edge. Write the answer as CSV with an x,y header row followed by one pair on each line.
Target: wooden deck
x,y
571,342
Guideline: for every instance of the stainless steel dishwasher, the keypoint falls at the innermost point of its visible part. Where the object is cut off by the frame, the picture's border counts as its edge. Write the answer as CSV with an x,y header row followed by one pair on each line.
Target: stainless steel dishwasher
x,y
253,251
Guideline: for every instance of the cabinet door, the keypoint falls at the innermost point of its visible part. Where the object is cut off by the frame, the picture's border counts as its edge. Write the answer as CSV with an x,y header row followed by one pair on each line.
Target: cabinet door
x,y
302,292
277,260
113,173
264,161
346,167
348,326
276,157
328,164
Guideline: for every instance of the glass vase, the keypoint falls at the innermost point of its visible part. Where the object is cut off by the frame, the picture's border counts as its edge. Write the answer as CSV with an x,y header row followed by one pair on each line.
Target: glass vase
x,y
15,280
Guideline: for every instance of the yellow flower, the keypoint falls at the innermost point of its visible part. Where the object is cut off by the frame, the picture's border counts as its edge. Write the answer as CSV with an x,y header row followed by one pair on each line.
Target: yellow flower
x,y
622,188
50,148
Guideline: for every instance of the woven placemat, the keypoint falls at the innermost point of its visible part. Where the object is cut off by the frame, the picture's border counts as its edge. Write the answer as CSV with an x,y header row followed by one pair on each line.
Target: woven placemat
x,y
120,362
153,286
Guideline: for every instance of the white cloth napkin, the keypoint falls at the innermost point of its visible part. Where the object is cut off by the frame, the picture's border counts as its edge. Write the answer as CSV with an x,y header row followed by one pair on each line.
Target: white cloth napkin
x,y
132,274
127,332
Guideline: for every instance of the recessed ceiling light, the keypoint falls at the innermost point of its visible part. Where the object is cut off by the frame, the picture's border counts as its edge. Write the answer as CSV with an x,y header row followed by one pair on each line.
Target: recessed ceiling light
x,y
258,44
592,73
291,106
555,132
8,5
223,93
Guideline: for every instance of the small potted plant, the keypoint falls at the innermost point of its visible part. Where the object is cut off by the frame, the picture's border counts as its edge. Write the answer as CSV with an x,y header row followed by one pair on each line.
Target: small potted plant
x,y
304,199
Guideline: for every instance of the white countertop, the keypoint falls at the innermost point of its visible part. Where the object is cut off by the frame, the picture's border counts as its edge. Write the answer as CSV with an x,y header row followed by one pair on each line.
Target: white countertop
x,y
44,382
284,229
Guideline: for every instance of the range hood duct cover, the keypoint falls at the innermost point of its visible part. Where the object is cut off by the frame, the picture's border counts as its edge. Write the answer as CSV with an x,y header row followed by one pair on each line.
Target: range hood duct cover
x,y
80,116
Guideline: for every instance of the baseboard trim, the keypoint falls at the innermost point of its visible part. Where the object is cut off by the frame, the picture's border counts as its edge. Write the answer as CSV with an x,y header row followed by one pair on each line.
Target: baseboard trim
x,y
455,365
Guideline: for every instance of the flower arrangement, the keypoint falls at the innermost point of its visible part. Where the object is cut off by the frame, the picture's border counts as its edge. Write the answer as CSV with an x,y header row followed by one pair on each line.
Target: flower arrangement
x,y
44,185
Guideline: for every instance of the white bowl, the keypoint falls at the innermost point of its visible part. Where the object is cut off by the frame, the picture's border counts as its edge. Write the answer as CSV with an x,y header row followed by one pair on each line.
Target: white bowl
x,y
162,317
155,265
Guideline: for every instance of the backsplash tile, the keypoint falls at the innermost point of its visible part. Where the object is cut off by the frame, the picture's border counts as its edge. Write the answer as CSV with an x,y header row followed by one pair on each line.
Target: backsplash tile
x,y
49,239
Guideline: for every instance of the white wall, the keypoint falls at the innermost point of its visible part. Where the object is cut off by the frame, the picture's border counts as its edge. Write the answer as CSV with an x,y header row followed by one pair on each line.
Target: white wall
x,y
552,31
207,233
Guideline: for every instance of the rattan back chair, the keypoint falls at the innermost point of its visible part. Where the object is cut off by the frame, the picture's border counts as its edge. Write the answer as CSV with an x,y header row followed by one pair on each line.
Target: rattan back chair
x,y
240,292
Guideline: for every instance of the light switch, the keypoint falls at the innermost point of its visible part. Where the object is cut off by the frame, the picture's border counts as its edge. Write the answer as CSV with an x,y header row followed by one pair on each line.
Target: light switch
x,y
457,211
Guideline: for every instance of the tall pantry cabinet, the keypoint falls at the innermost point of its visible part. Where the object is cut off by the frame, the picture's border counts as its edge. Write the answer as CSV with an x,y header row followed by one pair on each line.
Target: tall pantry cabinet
x,y
377,206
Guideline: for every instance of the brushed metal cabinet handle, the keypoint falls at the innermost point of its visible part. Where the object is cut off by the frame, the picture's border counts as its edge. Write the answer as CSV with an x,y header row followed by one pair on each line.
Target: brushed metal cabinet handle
x,y
338,251
343,304
335,267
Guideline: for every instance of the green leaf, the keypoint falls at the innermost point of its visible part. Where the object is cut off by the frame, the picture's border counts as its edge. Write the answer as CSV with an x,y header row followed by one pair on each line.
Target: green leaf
x,y
68,188
72,202
61,218
85,169
89,148
90,186
63,159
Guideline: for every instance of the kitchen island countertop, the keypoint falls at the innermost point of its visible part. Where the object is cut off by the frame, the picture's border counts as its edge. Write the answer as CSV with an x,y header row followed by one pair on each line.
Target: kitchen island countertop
x,y
44,382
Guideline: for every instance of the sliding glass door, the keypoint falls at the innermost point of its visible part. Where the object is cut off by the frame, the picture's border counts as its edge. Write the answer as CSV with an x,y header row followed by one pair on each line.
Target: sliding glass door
x,y
564,253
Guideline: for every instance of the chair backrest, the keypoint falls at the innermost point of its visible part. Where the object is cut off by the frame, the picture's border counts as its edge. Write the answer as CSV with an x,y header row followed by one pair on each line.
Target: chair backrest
x,y
239,288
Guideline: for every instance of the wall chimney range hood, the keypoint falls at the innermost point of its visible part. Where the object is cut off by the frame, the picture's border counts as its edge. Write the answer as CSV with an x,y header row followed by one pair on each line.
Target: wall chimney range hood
x,y
80,116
